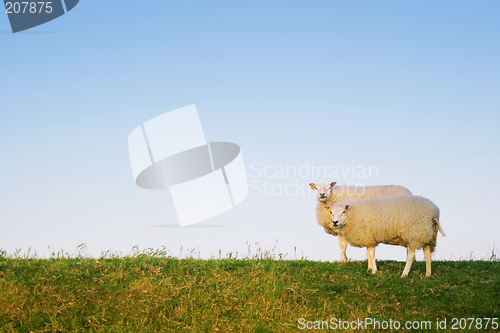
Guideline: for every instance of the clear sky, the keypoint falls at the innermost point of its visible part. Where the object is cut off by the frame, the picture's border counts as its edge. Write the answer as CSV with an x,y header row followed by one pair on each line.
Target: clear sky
x,y
409,88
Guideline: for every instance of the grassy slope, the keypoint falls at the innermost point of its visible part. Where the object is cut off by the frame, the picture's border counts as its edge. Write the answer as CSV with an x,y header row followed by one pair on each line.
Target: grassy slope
x,y
151,294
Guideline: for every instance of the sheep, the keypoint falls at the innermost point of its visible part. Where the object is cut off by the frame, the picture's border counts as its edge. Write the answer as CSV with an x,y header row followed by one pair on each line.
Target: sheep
x,y
412,220
327,194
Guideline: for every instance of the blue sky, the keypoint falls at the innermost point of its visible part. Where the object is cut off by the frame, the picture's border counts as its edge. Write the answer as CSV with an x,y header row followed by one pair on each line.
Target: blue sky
x,y
409,87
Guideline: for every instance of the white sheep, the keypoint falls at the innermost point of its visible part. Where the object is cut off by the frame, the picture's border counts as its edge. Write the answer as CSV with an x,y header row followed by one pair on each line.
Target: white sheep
x,y
406,220
328,195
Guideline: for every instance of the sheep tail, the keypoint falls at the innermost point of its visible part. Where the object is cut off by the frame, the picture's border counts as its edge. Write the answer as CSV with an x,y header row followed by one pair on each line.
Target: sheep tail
x,y
436,221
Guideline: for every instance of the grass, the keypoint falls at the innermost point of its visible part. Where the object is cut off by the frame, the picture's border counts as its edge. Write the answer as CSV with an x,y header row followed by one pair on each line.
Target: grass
x,y
155,292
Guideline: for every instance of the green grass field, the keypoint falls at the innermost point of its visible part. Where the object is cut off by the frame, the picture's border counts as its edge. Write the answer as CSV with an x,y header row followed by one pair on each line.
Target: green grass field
x,y
150,292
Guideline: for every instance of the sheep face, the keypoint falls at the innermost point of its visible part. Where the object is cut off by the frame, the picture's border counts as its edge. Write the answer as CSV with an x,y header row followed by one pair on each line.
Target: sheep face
x,y
338,215
323,191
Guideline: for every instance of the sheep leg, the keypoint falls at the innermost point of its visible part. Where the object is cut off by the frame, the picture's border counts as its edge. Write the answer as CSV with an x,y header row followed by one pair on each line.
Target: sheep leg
x,y
414,258
343,247
368,255
409,261
371,259
427,254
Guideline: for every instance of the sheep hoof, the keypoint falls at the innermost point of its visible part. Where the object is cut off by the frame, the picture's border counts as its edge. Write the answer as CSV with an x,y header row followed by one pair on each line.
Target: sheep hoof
x,y
404,275
427,274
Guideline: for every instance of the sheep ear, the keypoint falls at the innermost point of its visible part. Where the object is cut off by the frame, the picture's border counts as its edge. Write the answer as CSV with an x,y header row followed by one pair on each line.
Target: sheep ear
x,y
333,184
328,209
312,186
347,207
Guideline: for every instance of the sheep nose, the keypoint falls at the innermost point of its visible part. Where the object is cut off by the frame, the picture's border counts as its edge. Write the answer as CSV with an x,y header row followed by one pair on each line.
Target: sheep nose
x,y
335,222
322,194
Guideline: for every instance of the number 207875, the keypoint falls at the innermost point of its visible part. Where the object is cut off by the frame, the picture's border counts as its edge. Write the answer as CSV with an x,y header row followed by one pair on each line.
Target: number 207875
x,y
28,7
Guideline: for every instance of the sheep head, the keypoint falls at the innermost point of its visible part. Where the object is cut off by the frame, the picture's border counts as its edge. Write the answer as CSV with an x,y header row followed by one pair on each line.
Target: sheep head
x,y
323,191
338,214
